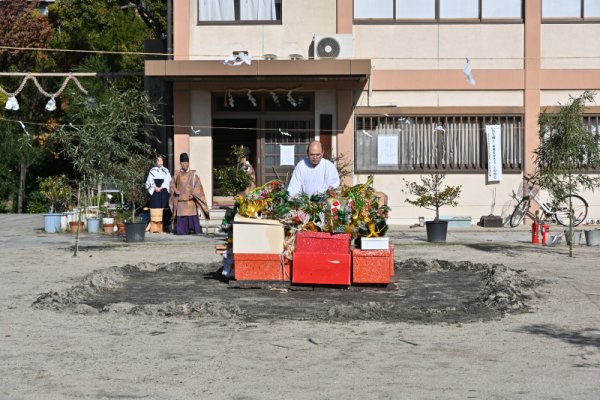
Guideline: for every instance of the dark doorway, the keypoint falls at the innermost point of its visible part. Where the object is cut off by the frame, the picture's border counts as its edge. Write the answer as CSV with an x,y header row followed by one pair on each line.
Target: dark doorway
x,y
232,132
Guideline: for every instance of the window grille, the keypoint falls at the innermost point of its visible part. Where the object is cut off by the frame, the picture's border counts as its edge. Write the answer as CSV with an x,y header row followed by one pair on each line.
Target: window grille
x,y
453,143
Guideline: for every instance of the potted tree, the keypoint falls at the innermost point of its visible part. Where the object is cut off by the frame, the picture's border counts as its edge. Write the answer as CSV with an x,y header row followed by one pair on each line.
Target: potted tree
x,y
131,178
104,137
431,194
58,193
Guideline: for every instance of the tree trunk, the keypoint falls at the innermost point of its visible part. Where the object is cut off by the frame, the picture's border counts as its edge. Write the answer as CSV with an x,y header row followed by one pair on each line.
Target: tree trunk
x,y
22,182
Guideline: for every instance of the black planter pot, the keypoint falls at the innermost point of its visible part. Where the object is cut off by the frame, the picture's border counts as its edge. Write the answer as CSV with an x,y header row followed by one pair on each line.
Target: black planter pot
x,y
436,231
135,232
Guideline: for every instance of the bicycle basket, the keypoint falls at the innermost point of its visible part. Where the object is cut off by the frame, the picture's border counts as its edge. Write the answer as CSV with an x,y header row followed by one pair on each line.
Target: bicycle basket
x,y
524,189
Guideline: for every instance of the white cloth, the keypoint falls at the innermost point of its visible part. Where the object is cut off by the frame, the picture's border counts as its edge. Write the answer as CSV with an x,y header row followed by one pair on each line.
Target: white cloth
x,y
158,173
257,10
309,179
216,10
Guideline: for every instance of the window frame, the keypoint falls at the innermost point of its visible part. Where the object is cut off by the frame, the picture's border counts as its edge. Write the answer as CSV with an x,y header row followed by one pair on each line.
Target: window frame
x,y
437,19
582,19
238,22
517,150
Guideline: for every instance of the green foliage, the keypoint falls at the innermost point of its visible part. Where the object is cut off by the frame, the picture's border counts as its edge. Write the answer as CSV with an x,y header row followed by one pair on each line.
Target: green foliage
x,y
131,178
430,193
567,148
37,203
100,26
57,191
109,140
233,179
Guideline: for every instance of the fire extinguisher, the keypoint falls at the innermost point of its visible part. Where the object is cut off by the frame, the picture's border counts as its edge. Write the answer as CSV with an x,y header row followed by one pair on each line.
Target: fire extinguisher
x,y
535,233
545,233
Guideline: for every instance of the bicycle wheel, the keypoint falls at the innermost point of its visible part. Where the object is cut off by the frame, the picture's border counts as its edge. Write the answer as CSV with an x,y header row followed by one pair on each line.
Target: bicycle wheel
x,y
579,210
520,210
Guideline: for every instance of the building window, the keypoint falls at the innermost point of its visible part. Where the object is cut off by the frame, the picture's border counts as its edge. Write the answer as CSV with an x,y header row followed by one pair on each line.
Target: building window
x,y
437,10
239,11
570,9
592,122
452,143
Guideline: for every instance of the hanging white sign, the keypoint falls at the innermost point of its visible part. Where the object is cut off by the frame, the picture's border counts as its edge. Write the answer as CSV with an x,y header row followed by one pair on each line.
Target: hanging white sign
x,y
286,155
494,147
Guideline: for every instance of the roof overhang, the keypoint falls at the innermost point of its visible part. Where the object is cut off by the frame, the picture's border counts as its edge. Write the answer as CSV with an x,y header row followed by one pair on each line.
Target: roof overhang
x,y
322,69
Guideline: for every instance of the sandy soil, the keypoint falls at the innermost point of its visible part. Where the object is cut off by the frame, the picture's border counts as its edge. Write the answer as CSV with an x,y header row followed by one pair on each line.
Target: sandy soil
x,y
552,350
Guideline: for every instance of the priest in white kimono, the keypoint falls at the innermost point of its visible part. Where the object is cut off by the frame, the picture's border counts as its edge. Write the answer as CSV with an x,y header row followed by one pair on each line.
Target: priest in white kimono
x,y
313,174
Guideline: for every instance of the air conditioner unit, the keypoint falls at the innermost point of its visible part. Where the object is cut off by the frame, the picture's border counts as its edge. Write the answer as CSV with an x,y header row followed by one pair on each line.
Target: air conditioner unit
x,y
333,46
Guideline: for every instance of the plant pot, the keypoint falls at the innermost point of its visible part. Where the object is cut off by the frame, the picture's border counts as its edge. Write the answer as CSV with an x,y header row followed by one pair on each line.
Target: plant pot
x,y
592,237
436,231
73,226
135,232
576,237
108,228
64,222
121,228
93,225
52,222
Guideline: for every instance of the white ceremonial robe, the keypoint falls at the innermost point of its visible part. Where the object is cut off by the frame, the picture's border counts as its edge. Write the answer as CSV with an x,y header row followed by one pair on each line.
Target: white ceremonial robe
x,y
158,173
309,179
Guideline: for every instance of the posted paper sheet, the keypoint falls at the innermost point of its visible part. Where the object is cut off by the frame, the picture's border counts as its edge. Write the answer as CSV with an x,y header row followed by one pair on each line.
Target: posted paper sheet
x,y
286,154
494,145
387,150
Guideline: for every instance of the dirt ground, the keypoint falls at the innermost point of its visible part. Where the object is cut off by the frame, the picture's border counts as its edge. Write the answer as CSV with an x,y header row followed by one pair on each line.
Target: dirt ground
x,y
153,321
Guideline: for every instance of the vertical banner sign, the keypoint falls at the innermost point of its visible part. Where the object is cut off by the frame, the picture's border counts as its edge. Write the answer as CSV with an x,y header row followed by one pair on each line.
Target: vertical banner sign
x,y
494,147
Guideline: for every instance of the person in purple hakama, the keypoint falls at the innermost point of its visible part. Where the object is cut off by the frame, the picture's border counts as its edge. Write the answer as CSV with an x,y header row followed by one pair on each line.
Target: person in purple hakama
x,y
187,196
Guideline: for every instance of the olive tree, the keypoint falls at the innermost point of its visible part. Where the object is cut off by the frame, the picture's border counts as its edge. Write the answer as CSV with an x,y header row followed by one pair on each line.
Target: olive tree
x,y
567,149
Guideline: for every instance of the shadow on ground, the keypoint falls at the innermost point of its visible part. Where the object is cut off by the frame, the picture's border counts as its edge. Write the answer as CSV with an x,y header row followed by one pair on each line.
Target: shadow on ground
x,y
581,338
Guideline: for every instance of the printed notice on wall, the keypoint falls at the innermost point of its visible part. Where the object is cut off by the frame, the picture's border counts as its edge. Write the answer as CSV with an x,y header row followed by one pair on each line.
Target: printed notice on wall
x,y
286,154
494,147
387,150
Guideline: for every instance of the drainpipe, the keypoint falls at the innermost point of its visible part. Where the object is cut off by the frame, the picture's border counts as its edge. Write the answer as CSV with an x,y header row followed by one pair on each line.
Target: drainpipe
x,y
170,29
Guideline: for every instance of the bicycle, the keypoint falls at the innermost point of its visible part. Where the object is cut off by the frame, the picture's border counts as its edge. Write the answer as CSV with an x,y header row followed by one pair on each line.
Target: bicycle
x,y
556,211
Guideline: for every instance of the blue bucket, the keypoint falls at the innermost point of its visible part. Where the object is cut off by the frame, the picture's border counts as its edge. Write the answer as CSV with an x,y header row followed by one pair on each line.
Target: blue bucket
x,y
93,225
52,222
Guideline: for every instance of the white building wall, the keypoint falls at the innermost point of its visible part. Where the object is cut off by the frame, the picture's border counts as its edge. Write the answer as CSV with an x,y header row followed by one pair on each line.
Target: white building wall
x,y
301,20
397,46
201,144
570,46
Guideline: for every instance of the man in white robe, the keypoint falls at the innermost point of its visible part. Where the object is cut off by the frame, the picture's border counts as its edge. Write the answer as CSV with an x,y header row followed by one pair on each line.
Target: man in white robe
x,y
313,174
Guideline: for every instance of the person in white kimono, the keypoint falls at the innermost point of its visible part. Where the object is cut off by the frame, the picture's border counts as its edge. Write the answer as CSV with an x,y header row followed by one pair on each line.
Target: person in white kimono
x,y
157,183
313,174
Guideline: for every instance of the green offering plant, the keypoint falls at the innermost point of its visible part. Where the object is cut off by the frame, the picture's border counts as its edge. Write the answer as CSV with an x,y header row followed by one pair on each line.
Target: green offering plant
x,y
431,194
233,178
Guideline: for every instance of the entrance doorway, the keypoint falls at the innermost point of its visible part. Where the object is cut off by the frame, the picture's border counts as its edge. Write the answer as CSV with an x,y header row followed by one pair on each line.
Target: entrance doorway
x,y
276,127
232,132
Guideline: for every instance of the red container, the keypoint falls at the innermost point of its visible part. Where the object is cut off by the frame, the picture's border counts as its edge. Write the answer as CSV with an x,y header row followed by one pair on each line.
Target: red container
x,y
372,266
261,267
321,268
392,272
322,242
